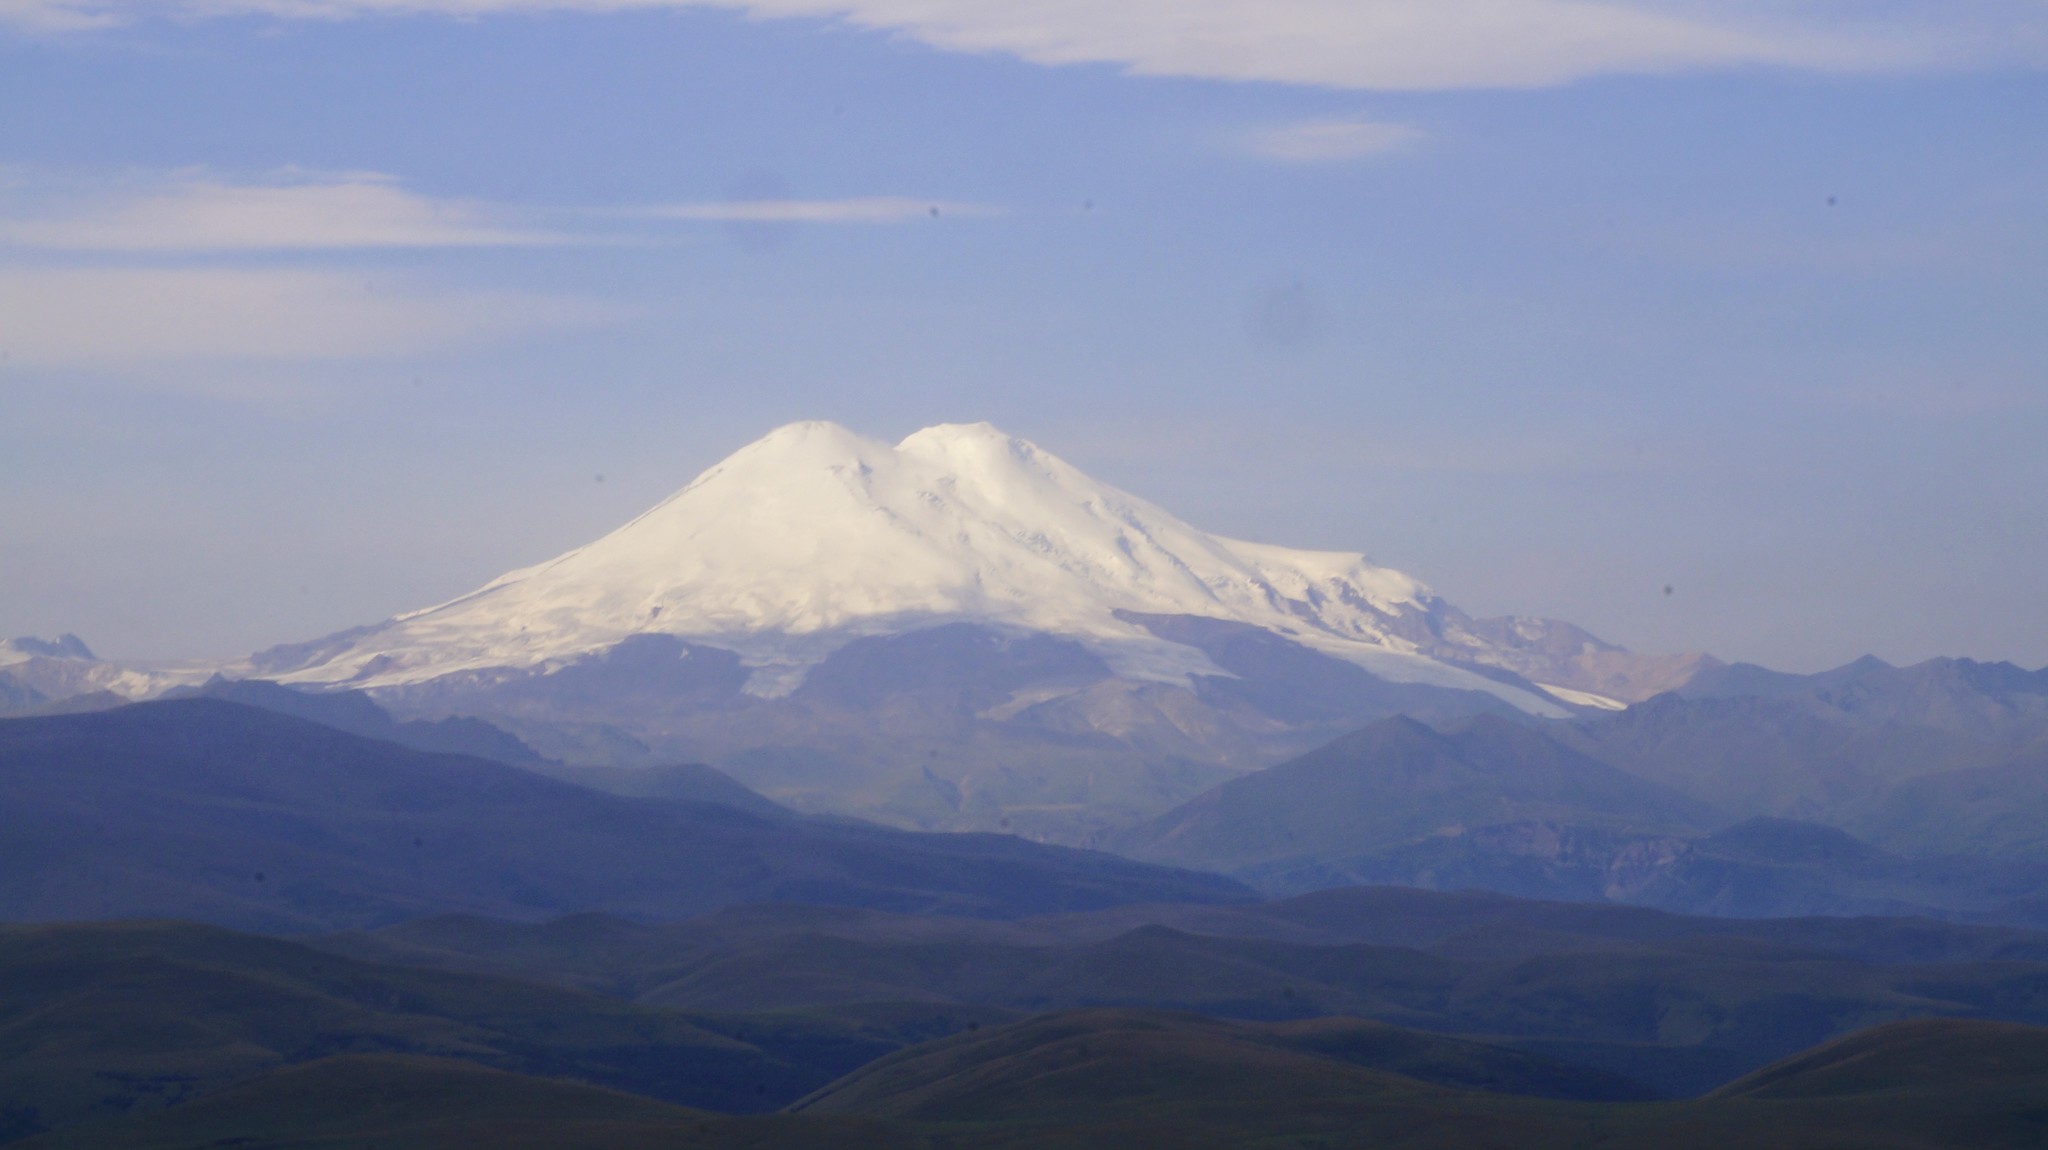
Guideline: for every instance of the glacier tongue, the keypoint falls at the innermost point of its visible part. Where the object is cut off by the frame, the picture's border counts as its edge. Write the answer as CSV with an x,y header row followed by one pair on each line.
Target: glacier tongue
x,y
814,536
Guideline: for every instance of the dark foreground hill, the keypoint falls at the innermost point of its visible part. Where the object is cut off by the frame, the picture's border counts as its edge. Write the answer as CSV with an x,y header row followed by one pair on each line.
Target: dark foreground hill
x,y
103,1019
1137,1079
1929,1055
1362,1017
1051,1066
1681,1004
407,1102
209,810
1122,1080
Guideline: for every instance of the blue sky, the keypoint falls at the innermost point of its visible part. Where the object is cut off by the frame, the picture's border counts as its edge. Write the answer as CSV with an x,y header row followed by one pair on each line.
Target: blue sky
x,y
313,312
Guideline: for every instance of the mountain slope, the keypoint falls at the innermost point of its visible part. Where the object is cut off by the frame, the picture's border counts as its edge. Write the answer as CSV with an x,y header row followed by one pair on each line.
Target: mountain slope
x,y
1047,1067
1399,782
1995,810
1120,1078
396,1102
357,714
1824,747
1680,1003
105,1018
1928,1054
204,809
409,1103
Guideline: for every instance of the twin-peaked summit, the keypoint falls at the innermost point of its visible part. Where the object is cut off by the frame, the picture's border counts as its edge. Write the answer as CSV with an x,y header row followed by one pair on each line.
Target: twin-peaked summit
x,y
814,537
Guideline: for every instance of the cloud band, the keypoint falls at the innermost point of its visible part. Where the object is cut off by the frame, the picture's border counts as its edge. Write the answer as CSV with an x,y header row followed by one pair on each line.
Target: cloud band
x,y
1357,44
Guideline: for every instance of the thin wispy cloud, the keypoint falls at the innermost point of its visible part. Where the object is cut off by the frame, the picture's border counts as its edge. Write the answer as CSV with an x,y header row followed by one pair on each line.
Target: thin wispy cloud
x,y
59,312
187,213
195,214
863,210
99,318
1361,44
1328,141
59,15
60,309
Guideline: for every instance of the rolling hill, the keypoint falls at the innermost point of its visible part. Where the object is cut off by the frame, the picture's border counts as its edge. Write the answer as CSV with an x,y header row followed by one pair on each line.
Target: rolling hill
x,y
1683,1004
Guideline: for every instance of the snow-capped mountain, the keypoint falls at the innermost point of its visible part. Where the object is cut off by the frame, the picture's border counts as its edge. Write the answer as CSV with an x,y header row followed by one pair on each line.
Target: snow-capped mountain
x,y
34,671
959,631
813,537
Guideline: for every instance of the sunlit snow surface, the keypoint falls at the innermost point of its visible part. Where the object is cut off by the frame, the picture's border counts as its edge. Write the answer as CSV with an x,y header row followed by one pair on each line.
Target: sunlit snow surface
x,y
814,536
1584,698
64,674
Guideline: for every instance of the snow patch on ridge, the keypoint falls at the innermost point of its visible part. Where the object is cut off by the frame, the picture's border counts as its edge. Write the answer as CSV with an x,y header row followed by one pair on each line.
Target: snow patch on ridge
x,y
1584,698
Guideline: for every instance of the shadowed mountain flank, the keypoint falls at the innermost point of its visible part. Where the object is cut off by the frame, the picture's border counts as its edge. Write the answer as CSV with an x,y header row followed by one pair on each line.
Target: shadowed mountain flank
x,y
205,809
1398,782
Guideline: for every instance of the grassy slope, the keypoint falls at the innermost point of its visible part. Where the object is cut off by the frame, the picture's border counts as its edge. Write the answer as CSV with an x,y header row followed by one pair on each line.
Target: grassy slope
x,y
1934,1055
102,1019
1127,1079
1140,1080
1079,1061
395,1102
1682,1004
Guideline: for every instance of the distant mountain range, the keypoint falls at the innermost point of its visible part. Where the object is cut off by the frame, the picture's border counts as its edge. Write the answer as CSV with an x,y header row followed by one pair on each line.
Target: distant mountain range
x,y
1528,807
